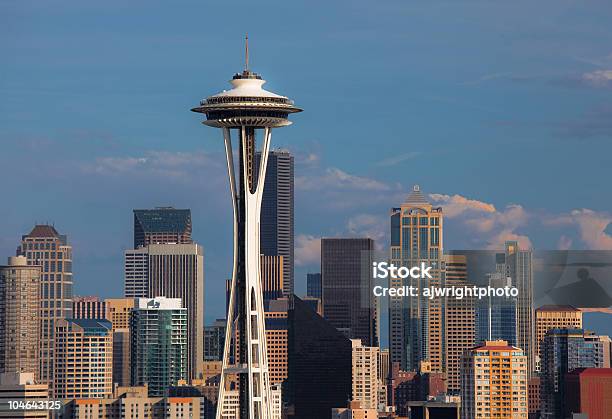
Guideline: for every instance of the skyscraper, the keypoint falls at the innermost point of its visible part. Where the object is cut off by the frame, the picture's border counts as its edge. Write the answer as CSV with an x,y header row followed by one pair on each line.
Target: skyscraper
x,y
516,263
319,360
22,388
46,248
561,351
313,285
497,317
158,328
117,311
277,219
365,374
346,279
494,382
162,225
247,108
272,274
19,311
415,324
555,317
177,271
458,321
83,366
136,273
214,340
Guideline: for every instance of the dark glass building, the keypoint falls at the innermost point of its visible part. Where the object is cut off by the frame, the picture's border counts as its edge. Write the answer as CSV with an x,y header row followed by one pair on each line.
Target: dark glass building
x,y
162,225
277,213
320,364
346,279
214,340
562,351
313,285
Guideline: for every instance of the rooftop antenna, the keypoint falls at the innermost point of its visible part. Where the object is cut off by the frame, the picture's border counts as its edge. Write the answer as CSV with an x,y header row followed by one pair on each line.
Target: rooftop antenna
x,y
246,53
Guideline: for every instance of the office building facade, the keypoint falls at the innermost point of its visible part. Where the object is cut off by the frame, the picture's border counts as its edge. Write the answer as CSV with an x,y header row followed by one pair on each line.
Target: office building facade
x,y
415,324
277,213
346,278
555,317
83,366
46,248
561,351
365,382
162,225
313,285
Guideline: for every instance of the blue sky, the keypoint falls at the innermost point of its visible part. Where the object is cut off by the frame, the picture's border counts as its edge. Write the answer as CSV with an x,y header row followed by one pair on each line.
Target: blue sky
x,y
502,110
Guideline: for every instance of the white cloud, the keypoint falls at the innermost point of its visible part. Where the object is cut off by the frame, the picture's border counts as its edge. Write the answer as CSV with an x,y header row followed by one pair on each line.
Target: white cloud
x,y
334,178
598,78
307,250
456,204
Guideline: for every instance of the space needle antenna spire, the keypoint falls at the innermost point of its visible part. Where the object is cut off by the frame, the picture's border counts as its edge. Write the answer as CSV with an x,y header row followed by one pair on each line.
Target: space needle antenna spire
x,y
246,52
248,113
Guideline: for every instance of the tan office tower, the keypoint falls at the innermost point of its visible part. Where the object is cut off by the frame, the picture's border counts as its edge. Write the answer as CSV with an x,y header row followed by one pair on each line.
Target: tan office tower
x,y
277,339
19,388
177,271
19,310
415,324
459,324
494,382
45,247
83,359
365,375
272,277
117,311
555,317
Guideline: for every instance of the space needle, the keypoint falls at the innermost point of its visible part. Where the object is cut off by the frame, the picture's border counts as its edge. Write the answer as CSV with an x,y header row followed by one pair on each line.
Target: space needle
x,y
246,109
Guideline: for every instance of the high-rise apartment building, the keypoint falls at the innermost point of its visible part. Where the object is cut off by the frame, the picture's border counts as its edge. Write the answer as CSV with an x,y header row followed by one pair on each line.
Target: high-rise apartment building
x,y
161,225
83,366
459,327
172,271
555,317
494,382
365,382
346,278
159,343
313,285
561,351
46,248
277,213
19,316
415,324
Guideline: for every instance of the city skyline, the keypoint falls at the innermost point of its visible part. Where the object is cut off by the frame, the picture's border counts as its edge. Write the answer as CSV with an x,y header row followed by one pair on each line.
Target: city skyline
x,y
139,161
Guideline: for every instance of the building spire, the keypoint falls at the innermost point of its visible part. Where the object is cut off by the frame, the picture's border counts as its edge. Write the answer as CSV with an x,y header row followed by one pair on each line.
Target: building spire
x,y
246,52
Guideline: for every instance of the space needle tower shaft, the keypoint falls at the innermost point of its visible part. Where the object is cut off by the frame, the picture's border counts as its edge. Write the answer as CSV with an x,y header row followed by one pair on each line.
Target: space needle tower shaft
x,y
248,111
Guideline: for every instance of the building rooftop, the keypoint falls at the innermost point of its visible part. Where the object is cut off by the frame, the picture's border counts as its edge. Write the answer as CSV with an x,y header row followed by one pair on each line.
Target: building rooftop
x,y
599,372
416,196
496,345
43,230
163,219
557,308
